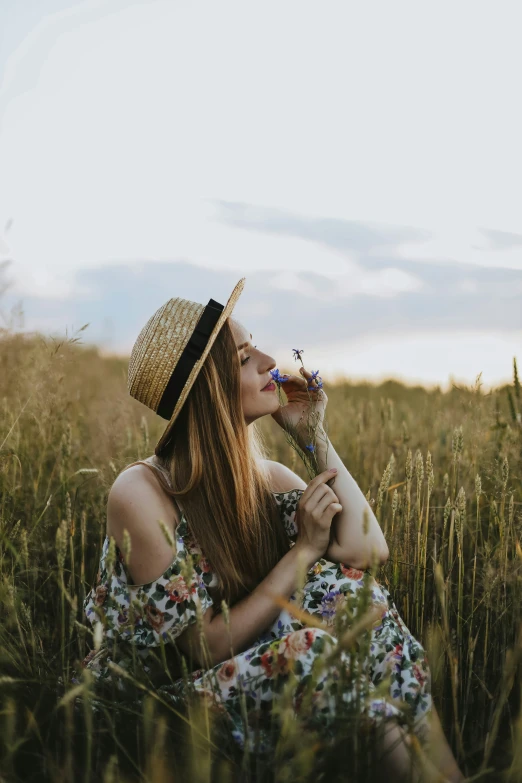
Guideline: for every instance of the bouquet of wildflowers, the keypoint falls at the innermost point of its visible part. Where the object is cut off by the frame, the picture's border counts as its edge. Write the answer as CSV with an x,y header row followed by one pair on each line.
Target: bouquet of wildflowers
x,y
311,429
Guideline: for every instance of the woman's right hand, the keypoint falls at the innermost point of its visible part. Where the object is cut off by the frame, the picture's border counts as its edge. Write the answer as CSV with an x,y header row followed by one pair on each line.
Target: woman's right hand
x,y
316,508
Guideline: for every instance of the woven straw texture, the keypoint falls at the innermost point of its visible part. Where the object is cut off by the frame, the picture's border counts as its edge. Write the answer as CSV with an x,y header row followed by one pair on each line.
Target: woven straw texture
x,y
159,346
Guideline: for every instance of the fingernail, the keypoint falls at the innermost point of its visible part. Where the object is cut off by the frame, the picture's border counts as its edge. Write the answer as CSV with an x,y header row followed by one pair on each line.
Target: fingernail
x,y
333,470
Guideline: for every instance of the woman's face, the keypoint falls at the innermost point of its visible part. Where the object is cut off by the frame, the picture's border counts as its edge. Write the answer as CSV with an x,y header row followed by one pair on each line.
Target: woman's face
x,y
255,374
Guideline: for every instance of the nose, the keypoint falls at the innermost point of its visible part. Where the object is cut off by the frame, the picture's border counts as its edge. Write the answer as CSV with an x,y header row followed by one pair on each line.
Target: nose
x,y
271,366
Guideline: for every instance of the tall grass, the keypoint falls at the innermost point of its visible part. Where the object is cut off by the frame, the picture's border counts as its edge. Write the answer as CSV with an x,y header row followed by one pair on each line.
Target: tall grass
x,y
443,472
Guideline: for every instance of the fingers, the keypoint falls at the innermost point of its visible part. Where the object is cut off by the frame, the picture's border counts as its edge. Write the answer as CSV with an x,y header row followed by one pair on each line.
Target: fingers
x,y
327,502
321,491
320,479
325,476
306,372
314,381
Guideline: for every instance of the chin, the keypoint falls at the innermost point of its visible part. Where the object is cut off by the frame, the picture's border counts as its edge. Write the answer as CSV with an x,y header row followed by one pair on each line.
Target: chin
x,y
273,402
265,410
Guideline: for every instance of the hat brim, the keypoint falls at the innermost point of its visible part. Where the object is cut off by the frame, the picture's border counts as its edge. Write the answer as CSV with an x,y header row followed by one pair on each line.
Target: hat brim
x,y
227,310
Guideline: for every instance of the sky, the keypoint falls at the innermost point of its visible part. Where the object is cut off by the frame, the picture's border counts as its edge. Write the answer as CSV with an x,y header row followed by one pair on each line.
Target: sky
x,y
358,163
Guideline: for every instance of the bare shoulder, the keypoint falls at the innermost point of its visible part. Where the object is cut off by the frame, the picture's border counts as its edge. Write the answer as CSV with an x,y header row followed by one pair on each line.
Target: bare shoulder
x,y
136,503
136,489
282,478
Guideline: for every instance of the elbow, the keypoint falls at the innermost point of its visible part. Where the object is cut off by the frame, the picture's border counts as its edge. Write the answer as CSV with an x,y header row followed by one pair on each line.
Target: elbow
x,y
384,554
366,560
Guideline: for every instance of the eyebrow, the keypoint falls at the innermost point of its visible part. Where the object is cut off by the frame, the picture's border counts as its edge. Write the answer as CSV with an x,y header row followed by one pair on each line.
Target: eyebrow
x,y
243,344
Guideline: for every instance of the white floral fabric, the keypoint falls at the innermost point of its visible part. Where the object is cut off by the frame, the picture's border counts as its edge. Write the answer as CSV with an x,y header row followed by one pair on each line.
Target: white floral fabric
x,y
137,618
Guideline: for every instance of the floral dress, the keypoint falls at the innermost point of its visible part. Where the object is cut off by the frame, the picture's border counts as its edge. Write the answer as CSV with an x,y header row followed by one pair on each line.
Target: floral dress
x,y
137,619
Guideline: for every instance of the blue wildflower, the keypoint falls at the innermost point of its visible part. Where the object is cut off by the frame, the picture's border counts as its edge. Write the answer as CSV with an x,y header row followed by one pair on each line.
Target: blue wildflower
x,y
277,377
297,353
319,381
310,447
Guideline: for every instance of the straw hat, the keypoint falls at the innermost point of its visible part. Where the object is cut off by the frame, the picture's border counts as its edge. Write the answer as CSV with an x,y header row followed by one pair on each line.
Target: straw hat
x,y
170,351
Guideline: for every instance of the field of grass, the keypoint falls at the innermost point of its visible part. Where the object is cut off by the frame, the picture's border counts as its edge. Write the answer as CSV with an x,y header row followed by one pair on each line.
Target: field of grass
x,y
443,472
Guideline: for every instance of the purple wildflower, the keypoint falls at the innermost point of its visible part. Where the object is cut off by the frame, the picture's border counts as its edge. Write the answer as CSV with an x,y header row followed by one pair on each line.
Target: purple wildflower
x,y
297,353
319,381
278,378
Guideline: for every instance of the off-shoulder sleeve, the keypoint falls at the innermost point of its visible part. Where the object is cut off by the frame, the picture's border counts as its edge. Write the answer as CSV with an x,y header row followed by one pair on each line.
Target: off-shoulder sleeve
x,y
287,508
145,614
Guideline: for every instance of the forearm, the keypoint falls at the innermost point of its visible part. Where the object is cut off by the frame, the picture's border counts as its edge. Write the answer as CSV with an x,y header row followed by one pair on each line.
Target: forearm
x,y
350,543
255,613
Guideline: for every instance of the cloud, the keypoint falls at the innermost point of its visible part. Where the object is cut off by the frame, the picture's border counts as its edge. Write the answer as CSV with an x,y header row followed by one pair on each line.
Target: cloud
x,y
501,240
282,308
361,237
371,242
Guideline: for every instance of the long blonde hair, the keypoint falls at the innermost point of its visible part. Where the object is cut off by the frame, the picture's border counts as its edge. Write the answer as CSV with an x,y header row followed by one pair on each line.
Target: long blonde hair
x,y
215,465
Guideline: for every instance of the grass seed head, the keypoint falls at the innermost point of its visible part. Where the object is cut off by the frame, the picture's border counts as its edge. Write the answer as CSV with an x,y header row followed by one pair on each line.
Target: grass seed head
x,y
168,535
478,486
457,443
461,502
111,555
505,472
61,543
409,468
126,545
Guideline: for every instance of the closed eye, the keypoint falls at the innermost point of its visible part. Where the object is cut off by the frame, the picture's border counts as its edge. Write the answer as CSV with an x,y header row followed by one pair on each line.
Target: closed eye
x,y
247,358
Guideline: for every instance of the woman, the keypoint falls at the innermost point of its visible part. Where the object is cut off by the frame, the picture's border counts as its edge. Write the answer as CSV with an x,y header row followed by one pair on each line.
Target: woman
x,y
249,524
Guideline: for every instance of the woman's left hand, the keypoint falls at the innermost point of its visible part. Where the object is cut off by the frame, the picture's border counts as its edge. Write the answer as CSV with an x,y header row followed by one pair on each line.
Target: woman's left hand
x,y
297,410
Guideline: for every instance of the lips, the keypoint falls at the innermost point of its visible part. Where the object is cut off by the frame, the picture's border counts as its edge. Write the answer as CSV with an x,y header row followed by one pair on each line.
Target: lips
x,y
270,385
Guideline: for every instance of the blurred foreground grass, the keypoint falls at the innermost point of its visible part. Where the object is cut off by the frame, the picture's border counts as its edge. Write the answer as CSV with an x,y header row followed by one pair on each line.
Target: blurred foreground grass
x,y
443,472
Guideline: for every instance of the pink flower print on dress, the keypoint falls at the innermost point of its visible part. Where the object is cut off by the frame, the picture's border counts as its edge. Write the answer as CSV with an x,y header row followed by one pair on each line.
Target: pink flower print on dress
x,y
207,699
297,643
154,616
268,662
393,659
352,573
204,565
177,589
101,594
420,673
227,671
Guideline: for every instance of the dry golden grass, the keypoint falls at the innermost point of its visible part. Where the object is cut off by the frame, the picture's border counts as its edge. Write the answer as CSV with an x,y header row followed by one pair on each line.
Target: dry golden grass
x,y
443,473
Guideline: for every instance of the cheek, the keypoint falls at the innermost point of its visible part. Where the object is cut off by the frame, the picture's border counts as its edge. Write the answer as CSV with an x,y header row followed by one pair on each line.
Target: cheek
x,y
249,386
